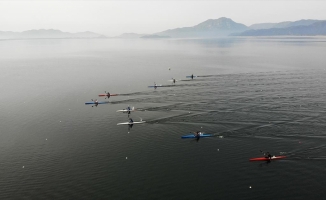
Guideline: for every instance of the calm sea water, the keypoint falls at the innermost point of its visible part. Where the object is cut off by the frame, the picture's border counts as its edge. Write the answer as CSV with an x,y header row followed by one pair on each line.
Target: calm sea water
x,y
253,94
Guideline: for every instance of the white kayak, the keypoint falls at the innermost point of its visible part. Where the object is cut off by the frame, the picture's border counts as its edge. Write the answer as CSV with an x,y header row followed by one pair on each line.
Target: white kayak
x,y
130,123
126,110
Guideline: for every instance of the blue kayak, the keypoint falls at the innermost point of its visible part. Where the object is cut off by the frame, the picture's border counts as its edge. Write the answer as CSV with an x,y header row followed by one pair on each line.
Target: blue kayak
x,y
193,136
92,102
191,76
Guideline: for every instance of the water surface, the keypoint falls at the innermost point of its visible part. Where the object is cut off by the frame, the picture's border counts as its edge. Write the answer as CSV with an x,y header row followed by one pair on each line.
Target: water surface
x,y
253,94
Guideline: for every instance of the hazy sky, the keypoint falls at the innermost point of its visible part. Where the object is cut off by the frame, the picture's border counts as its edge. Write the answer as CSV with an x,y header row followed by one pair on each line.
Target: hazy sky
x,y
113,18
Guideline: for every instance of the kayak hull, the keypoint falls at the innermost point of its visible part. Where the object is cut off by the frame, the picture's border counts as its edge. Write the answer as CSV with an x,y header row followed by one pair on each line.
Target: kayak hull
x,y
193,136
105,95
125,111
153,86
267,159
102,102
128,123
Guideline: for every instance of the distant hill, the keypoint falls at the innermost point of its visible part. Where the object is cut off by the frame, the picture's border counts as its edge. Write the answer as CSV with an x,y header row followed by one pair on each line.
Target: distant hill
x,y
47,33
209,28
286,24
317,28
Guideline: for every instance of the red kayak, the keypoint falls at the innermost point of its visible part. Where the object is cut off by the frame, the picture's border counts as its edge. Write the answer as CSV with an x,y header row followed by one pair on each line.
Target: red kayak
x,y
105,95
267,159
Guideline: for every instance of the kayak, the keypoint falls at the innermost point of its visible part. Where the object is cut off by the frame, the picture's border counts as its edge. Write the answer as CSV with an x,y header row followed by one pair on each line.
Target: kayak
x,y
191,76
155,86
267,159
105,95
100,102
193,136
129,123
125,111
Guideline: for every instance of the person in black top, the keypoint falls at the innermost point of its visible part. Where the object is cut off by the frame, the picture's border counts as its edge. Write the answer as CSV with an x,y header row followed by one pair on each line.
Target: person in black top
x,y
268,155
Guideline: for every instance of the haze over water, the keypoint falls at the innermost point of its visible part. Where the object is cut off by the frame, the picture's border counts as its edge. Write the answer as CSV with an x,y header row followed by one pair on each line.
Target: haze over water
x,y
254,94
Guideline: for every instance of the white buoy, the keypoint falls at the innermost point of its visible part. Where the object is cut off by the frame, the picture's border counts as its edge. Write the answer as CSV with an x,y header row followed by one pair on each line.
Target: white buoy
x,y
23,166
126,158
218,149
249,186
46,139
60,121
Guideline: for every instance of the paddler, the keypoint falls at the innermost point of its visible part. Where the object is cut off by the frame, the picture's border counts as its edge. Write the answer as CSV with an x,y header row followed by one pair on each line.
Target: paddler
x,y
174,81
192,76
108,94
197,133
155,85
95,102
128,109
268,155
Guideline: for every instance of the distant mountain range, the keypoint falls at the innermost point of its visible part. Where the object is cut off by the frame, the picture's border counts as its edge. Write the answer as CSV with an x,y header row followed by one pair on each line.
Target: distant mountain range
x,y
303,22
47,33
207,29
227,27
317,28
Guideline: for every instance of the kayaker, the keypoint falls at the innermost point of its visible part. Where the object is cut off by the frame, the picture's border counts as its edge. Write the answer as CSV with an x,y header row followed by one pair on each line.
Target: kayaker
x,y
95,102
108,94
128,110
197,133
268,155
173,81
155,85
192,76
